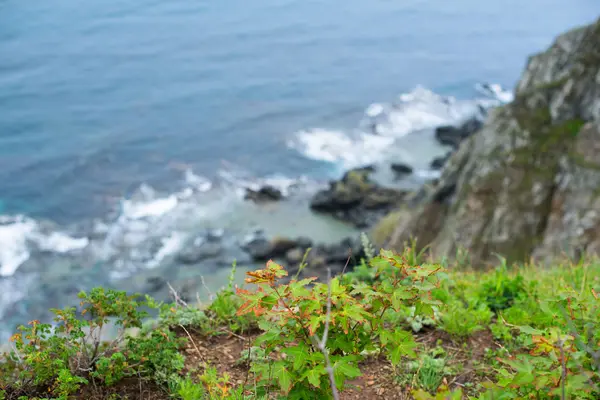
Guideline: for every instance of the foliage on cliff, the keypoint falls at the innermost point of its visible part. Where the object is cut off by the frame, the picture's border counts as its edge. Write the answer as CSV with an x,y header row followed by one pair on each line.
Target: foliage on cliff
x,y
396,327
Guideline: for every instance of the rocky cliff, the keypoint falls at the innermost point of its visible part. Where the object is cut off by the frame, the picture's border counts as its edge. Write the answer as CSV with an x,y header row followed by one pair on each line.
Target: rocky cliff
x,y
528,183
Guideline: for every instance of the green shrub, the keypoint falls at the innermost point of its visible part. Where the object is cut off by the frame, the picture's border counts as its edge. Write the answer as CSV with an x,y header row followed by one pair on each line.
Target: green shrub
x,y
501,290
61,358
460,320
332,325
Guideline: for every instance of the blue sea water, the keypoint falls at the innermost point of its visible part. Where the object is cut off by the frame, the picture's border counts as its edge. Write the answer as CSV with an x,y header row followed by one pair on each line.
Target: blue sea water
x,y
100,97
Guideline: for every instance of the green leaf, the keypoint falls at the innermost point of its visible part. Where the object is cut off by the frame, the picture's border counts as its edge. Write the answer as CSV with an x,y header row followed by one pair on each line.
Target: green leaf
x,y
385,337
298,289
424,309
345,369
530,331
271,337
403,345
314,375
299,354
399,296
283,376
314,323
356,313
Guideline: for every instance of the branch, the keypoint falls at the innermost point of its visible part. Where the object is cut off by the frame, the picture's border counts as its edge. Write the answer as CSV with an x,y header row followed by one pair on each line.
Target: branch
x,y
321,345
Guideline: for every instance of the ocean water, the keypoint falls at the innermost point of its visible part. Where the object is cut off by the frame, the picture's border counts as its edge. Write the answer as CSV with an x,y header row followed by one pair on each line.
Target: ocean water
x,y
129,129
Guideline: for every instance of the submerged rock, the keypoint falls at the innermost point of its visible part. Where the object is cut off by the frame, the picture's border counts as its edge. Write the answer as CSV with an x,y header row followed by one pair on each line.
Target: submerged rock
x,y
453,135
438,163
263,249
527,183
264,194
195,253
401,169
357,199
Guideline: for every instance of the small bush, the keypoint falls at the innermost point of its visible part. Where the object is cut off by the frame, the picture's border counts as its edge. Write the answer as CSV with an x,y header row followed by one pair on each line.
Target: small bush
x,y
64,357
462,321
331,327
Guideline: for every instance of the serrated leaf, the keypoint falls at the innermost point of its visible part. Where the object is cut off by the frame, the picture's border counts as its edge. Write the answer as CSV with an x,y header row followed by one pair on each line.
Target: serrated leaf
x,y
299,354
529,330
402,346
343,369
284,377
314,375
347,369
424,309
385,337
356,313
314,323
298,289
398,298
268,337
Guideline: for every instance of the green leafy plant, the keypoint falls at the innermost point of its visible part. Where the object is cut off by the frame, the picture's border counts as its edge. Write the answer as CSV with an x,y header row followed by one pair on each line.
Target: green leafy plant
x,y
502,290
65,356
426,372
189,390
326,330
462,321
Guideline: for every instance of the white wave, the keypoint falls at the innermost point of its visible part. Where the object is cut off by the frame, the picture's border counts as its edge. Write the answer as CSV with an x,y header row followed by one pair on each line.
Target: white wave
x,y
199,183
19,233
384,126
152,226
495,91
339,147
13,243
428,174
170,245
154,208
60,243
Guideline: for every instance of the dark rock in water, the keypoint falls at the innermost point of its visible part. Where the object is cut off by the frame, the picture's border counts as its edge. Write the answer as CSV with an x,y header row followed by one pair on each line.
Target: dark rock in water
x,y
262,249
294,256
401,169
214,235
356,199
439,162
259,249
326,256
195,254
454,135
304,242
156,283
264,194
280,246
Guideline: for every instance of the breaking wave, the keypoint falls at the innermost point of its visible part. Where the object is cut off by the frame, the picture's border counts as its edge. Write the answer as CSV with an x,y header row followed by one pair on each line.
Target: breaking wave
x,y
385,127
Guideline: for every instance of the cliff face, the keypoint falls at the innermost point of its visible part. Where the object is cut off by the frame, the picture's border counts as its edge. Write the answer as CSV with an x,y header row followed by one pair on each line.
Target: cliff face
x,y
528,183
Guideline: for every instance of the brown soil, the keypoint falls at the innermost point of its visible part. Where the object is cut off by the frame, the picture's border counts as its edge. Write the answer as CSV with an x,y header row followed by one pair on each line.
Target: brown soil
x,y
379,379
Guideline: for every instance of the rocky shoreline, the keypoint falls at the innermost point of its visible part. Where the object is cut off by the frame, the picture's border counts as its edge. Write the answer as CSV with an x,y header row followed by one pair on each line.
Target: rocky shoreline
x,y
355,199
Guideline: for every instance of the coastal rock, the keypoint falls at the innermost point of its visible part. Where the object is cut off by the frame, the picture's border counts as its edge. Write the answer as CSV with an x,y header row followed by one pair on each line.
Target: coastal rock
x,y
526,185
155,284
401,169
196,253
357,199
346,253
294,256
264,194
262,249
439,162
453,135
